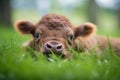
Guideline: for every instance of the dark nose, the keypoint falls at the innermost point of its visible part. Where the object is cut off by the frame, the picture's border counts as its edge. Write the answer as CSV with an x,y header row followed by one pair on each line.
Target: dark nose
x,y
54,46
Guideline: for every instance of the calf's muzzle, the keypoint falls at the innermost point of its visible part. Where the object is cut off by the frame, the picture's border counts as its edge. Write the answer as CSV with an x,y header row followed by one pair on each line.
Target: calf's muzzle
x,y
53,46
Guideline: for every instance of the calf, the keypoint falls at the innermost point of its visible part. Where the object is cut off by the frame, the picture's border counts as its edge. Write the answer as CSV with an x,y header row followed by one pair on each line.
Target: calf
x,y
56,33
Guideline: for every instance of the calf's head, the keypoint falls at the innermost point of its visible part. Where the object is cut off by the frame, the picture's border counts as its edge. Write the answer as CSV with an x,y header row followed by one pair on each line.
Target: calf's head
x,y
54,33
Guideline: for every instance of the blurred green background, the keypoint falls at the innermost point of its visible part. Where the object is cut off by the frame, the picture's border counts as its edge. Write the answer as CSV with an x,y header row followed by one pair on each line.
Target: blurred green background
x,y
17,64
104,13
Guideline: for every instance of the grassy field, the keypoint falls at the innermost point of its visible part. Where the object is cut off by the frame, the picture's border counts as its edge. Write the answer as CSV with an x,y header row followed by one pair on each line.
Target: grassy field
x,y
16,64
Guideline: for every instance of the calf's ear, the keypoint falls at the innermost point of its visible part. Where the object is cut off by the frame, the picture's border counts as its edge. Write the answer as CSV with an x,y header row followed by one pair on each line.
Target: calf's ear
x,y
25,27
85,30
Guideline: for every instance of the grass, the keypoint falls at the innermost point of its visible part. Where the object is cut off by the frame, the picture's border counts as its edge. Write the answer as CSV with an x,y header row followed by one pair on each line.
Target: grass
x,y
17,64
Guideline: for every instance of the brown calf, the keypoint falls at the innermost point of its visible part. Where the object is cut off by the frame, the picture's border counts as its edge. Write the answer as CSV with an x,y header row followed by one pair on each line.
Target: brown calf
x,y
56,33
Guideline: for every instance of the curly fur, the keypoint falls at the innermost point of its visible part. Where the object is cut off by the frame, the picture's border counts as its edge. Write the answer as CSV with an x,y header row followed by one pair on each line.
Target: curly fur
x,y
55,21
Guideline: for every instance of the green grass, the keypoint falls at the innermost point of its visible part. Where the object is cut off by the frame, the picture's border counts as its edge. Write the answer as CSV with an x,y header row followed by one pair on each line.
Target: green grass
x,y
17,64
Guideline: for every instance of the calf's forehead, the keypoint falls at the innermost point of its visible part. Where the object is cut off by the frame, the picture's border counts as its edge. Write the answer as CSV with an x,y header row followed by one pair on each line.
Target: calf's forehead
x,y
59,30
54,21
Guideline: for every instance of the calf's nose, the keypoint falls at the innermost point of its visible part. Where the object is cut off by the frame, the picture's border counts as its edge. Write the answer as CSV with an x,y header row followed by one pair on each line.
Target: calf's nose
x,y
54,46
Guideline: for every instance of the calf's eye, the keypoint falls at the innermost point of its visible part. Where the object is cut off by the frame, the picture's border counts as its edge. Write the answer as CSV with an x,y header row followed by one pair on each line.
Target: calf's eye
x,y
37,36
70,37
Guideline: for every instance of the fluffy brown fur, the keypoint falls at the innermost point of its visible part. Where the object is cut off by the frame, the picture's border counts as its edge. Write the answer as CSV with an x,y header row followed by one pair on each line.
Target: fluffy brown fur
x,y
55,21
56,28
106,42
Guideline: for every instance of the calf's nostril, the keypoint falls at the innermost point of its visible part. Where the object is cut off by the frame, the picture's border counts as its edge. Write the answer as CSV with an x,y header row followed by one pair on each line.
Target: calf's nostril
x,y
59,47
49,46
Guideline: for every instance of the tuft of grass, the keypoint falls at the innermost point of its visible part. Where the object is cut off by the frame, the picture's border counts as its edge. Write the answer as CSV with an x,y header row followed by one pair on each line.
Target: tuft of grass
x,y
17,64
